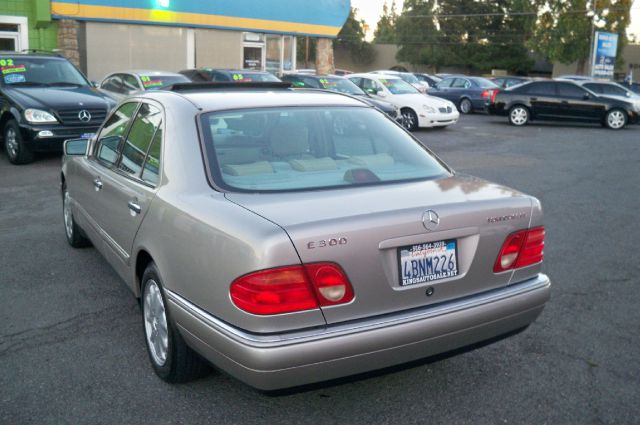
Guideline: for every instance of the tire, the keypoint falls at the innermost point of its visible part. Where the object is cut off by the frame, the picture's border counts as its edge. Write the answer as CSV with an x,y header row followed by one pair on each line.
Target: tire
x,y
72,231
465,106
172,360
615,119
409,119
17,152
519,115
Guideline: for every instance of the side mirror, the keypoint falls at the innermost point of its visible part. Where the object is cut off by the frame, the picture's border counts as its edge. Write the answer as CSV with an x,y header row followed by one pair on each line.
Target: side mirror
x,y
381,93
94,83
76,147
586,96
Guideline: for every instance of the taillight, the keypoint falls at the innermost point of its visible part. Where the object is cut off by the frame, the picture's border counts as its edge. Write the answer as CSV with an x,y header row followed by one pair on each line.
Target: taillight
x,y
485,93
291,288
494,93
521,249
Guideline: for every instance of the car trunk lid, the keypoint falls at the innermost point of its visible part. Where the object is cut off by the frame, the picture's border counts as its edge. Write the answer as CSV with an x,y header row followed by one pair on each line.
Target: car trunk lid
x,y
363,230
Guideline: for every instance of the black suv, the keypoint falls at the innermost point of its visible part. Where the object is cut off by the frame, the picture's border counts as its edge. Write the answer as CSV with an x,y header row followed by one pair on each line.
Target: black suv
x,y
45,100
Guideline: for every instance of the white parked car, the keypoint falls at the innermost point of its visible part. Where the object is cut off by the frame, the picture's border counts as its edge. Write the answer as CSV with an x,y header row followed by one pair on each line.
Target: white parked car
x,y
418,110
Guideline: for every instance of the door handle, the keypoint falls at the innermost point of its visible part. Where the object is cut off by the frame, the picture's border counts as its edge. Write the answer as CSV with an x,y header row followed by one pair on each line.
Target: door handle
x,y
97,183
533,99
134,207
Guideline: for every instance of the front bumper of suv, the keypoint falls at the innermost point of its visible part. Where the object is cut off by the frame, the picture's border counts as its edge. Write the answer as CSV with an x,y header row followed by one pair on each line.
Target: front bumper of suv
x,y
50,138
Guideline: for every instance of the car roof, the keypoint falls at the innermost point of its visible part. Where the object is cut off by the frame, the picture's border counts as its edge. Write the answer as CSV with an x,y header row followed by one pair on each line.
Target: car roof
x,y
247,98
316,76
372,76
239,71
147,72
40,55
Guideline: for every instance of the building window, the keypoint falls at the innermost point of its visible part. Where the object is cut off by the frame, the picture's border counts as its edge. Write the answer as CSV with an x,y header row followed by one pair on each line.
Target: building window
x,y
13,33
269,52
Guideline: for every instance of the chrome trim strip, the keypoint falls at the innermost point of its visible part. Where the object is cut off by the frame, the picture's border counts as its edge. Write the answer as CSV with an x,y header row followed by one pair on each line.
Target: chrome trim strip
x,y
288,338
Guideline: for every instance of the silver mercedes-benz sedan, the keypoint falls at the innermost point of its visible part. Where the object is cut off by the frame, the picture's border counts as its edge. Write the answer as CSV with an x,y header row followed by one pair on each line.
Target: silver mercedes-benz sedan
x,y
291,237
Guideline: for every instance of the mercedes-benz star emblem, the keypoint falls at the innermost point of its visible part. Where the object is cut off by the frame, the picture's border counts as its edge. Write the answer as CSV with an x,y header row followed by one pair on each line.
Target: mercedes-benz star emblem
x,y
430,220
84,116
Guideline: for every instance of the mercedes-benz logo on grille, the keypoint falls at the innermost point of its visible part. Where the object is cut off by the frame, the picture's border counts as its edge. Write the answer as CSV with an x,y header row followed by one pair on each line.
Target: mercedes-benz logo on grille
x,y
430,220
84,116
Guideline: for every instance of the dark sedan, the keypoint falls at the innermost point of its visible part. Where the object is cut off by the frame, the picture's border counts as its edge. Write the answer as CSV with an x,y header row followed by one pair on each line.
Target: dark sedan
x,y
201,75
562,100
469,94
340,85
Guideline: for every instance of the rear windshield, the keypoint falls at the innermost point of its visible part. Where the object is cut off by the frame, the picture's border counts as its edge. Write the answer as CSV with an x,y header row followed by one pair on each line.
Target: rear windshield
x,y
16,70
485,84
158,82
302,148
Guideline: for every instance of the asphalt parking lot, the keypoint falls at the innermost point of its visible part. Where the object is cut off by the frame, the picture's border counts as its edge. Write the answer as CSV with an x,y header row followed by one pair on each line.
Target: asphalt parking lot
x,y
72,346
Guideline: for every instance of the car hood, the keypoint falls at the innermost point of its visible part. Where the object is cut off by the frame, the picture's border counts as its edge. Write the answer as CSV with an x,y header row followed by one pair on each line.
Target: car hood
x,y
54,98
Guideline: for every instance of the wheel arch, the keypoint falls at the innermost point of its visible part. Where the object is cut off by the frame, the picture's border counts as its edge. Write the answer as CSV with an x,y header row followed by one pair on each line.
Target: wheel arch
x,y
143,259
6,116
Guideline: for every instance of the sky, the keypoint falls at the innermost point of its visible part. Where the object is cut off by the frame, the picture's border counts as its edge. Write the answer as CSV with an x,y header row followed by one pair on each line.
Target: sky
x,y
370,11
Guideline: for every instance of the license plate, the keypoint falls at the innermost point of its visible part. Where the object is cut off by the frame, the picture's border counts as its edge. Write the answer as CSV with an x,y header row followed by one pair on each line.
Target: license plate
x,y
427,262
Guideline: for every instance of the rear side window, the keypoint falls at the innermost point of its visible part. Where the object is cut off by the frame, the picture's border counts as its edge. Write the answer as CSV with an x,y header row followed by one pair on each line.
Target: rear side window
x,y
541,89
461,83
302,148
112,133
445,83
138,140
570,90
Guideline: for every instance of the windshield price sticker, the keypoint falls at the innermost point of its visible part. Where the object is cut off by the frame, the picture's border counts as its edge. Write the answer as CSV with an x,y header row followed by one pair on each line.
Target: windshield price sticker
x,y
327,84
148,82
427,262
241,78
10,69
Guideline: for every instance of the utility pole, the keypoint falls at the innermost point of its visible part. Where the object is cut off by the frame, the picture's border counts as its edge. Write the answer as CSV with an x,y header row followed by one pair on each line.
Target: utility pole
x,y
592,50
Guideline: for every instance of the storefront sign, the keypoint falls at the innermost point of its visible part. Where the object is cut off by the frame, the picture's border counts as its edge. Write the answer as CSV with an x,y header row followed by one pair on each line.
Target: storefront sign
x,y
604,55
320,18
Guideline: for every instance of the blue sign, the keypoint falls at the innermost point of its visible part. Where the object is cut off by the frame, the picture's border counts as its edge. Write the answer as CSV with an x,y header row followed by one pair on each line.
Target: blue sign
x,y
604,55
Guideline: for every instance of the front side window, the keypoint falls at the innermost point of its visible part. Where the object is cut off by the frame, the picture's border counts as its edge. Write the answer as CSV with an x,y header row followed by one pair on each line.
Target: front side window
x,y
305,148
112,84
112,132
136,145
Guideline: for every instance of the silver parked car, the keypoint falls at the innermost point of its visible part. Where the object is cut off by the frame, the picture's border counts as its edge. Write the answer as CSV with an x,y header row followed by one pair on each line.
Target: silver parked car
x,y
293,237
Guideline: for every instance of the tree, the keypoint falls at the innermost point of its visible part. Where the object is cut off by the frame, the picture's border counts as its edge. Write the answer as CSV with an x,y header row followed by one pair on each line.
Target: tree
x,y
351,37
385,32
475,34
564,30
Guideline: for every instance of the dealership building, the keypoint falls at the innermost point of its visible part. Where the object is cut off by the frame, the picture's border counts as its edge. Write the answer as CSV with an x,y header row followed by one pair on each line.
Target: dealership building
x,y
102,36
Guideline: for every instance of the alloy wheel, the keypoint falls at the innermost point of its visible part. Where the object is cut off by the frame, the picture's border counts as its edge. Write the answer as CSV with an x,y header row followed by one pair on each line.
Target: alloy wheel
x,y
616,119
465,106
11,141
155,323
408,120
68,217
519,116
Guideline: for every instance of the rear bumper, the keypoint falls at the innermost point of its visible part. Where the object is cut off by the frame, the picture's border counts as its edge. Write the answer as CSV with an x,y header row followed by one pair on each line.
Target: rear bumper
x,y
272,362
